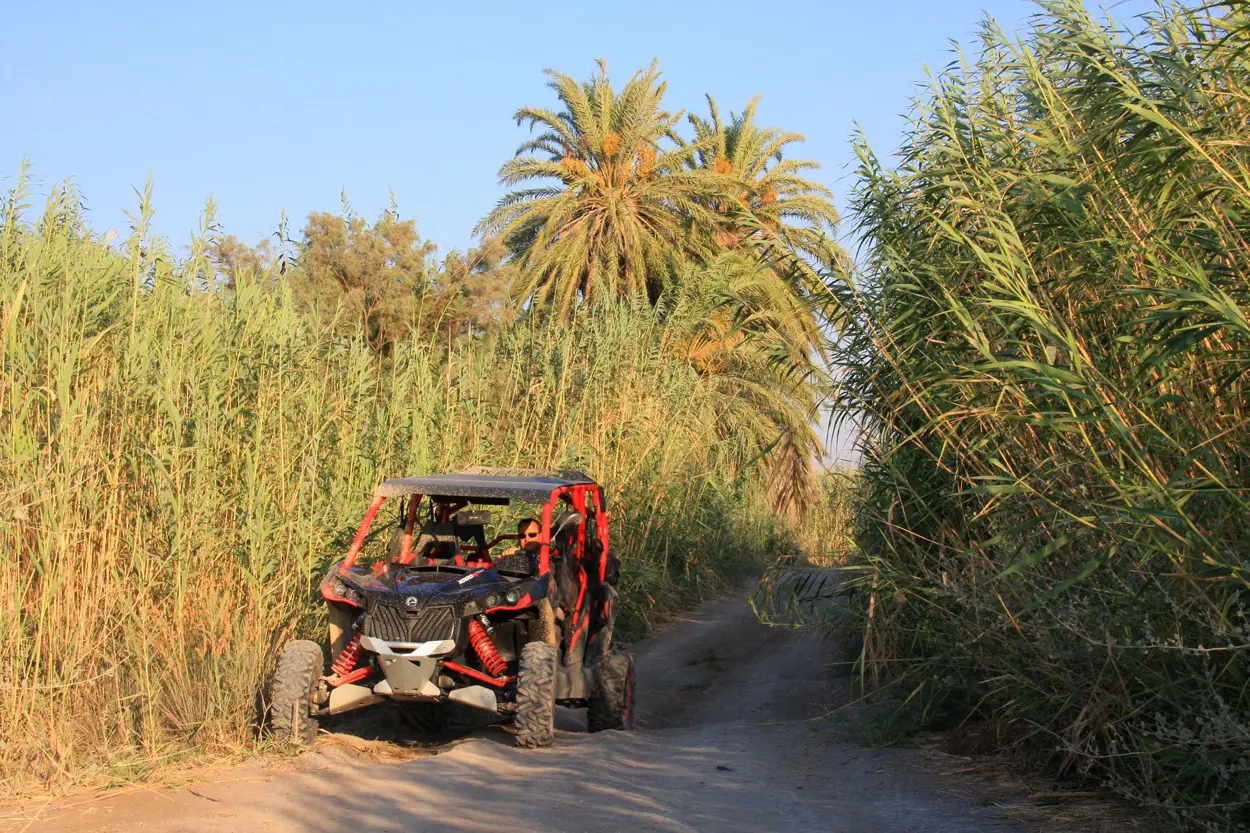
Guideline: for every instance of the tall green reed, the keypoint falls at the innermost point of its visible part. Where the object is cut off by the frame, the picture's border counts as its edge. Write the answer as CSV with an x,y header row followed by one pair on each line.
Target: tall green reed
x,y
1049,345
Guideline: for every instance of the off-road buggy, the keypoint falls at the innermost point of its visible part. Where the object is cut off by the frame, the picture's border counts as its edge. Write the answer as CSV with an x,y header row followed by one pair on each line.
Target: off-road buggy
x,y
445,621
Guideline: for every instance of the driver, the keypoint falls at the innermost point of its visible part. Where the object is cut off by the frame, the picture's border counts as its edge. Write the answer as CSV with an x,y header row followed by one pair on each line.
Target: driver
x,y
528,532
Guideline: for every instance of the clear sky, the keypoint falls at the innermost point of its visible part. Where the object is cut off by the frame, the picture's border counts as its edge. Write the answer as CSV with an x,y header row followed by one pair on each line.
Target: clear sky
x,y
273,106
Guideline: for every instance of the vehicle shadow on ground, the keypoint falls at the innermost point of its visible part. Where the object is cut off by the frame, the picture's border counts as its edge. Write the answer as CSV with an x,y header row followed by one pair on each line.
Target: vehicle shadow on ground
x,y
391,724
606,782
388,724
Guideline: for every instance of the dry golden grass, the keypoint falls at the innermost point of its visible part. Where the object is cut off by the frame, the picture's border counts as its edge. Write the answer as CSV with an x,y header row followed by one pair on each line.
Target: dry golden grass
x,y
178,463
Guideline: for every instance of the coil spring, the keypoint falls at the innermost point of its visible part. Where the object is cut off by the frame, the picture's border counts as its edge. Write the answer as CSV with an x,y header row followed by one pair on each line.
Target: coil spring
x,y
347,658
486,650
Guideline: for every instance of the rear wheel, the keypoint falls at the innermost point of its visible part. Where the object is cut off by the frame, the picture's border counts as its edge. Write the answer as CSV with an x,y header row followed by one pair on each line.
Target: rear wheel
x,y
612,703
292,690
536,696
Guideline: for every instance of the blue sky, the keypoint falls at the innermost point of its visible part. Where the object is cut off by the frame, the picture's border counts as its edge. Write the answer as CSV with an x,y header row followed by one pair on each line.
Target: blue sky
x,y
274,106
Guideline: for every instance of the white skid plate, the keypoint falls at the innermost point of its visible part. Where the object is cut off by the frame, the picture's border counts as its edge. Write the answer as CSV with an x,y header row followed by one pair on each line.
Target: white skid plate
x,y
407,649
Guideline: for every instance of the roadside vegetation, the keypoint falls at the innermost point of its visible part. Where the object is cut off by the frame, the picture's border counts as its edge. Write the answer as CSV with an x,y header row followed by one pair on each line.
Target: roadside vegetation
x,y
825,532
187,438
1047,342
1043,334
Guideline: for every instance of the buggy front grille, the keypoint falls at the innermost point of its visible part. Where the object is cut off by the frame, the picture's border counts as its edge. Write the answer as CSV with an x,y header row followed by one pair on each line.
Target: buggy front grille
x,y
428,624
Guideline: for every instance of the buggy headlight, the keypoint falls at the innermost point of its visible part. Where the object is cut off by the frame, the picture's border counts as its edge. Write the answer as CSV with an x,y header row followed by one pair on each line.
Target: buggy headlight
x,y
492,600
512,596
338,590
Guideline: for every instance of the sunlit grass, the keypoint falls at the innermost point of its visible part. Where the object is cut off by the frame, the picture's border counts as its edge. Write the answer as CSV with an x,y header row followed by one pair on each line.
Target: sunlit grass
x,y
178,463
1049,344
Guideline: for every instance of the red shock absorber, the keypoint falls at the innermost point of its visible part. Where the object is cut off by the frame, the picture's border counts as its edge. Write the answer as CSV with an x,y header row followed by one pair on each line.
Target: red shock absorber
x,y
486,650
347,657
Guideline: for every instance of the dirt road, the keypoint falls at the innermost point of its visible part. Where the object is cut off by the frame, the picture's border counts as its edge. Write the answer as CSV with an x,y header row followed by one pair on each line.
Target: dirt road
x,y
724,746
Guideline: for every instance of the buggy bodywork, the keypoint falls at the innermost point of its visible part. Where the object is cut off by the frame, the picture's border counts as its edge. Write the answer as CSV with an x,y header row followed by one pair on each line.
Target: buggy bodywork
x,y
444,619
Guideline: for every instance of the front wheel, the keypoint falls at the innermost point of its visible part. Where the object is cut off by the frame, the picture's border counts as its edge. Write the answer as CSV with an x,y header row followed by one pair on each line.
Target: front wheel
x,y
536,696
612,703
292,690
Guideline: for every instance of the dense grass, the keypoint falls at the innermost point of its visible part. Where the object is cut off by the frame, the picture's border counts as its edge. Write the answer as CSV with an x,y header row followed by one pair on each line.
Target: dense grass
x,y
1050,342
824,532
179,462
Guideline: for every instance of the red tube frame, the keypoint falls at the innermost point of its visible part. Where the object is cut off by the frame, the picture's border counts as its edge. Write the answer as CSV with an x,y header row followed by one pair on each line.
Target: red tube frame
x,y
359,540
544,551
477,675
358,674
410,523
577,497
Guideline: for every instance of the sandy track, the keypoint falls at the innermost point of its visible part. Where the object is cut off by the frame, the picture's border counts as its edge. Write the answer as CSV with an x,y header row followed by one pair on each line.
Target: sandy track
x,y
724,745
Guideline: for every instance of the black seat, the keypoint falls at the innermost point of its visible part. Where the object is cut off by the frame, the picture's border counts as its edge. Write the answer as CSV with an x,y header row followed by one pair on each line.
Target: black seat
x,y
437,541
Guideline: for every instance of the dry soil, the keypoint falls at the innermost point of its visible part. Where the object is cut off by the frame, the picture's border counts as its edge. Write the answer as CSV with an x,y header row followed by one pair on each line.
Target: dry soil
x,y
726,743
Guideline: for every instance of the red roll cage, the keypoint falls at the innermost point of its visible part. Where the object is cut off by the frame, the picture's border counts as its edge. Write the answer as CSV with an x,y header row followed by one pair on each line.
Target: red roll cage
x,y
581,496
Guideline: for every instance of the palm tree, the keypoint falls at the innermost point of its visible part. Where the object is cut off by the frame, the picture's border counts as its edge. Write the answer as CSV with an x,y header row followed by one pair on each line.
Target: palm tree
x,y
789,218
619,207
740,326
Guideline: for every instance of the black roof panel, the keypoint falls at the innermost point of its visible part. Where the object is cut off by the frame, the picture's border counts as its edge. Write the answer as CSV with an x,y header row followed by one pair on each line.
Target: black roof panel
x,y
528,485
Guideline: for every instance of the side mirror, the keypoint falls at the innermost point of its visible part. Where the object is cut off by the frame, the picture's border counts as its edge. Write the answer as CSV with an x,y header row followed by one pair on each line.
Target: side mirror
x,y
570,521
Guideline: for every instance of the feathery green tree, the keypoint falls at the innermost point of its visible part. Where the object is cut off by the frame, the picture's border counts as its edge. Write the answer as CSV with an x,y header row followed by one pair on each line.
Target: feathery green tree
x,y
740,326
771,205
620,208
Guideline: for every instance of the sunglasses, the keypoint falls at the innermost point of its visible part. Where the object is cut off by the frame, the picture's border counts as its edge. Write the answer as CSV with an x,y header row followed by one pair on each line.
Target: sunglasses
x,y
530,535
